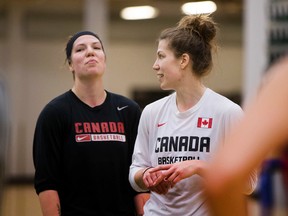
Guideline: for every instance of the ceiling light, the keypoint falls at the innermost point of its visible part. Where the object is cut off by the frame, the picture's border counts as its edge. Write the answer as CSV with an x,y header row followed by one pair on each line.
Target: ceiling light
x,y
139,12
203,7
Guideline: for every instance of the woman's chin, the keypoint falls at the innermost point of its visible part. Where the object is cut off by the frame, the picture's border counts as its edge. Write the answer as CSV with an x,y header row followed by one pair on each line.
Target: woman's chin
x,y
164,87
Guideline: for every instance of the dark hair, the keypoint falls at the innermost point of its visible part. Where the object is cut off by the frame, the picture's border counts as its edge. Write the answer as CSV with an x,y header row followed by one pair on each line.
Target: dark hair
x,y
73,38
193,35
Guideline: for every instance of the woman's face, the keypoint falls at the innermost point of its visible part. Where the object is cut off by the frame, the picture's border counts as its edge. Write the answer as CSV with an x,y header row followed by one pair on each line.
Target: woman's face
x,y
167,67
87,58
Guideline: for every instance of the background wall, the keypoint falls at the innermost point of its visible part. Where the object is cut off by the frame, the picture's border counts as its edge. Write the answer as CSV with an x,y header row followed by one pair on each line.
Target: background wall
x,y
32,62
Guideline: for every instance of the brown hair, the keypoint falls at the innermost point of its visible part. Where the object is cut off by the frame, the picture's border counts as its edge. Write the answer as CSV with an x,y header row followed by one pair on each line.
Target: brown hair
x,y
193,35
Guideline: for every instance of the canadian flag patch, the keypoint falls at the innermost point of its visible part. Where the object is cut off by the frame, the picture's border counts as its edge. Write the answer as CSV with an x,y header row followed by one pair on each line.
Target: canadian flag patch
x,y
204,122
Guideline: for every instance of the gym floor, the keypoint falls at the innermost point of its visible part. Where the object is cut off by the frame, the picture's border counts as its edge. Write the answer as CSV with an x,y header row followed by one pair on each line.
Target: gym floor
x,y
21,199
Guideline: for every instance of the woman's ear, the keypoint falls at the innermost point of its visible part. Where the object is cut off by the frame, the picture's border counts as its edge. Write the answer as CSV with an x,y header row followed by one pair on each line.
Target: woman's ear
x,y
185,58
71,67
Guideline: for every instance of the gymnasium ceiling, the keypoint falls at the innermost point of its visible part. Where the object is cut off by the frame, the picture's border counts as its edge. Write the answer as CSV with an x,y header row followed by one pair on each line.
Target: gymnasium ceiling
x,y
231,9
64,17
227,9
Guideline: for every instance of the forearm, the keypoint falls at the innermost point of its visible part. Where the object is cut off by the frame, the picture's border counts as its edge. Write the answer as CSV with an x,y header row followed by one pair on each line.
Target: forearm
x,y
140,200
50,203
139,179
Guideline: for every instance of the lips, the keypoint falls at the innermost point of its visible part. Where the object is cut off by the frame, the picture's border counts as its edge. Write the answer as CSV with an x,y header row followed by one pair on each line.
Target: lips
x,y
159,76
91,61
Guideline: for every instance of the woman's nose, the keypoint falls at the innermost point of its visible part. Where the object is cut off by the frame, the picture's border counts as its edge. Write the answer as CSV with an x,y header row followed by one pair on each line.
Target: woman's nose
x,y
90,51
155,66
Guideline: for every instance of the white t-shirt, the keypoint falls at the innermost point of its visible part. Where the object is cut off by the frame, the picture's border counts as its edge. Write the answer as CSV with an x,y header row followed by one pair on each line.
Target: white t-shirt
x,y
166,136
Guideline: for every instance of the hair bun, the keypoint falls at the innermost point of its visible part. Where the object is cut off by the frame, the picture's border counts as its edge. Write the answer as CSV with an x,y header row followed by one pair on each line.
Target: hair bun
x,y
202,25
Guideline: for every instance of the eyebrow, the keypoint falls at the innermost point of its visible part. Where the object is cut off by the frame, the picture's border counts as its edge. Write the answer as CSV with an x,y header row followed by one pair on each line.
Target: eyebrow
x,y
84,44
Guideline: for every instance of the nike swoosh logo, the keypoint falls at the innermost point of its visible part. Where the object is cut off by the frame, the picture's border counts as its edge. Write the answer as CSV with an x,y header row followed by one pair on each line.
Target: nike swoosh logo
x,y
121,108
161,124
81,138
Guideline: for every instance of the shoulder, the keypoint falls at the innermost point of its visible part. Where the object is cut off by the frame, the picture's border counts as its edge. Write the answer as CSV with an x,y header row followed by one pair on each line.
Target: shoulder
x,y
221,106
221,101
159,104
58,106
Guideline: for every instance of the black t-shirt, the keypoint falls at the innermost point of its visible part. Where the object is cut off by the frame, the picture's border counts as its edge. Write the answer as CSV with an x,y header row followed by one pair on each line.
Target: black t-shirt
x,y
84,153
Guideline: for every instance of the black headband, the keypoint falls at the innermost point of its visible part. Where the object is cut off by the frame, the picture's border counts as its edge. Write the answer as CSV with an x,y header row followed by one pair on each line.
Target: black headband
x,y
71,41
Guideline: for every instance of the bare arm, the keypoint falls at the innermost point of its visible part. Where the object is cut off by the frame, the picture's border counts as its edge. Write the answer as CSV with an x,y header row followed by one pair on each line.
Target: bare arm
x,y
140,200
263,129
50,203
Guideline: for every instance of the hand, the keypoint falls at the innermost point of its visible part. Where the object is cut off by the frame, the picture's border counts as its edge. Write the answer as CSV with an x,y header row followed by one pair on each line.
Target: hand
x,y
150,179
174,173
161,188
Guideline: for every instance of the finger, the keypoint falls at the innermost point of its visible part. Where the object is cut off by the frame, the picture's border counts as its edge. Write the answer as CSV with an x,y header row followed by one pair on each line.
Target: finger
x,y
159,180
171,177
169,172
148,180
176,179
161,167
155,176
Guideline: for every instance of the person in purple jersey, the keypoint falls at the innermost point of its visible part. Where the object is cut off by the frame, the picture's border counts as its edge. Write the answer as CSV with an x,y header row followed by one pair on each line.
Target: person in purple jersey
x,y
84,140
178,134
